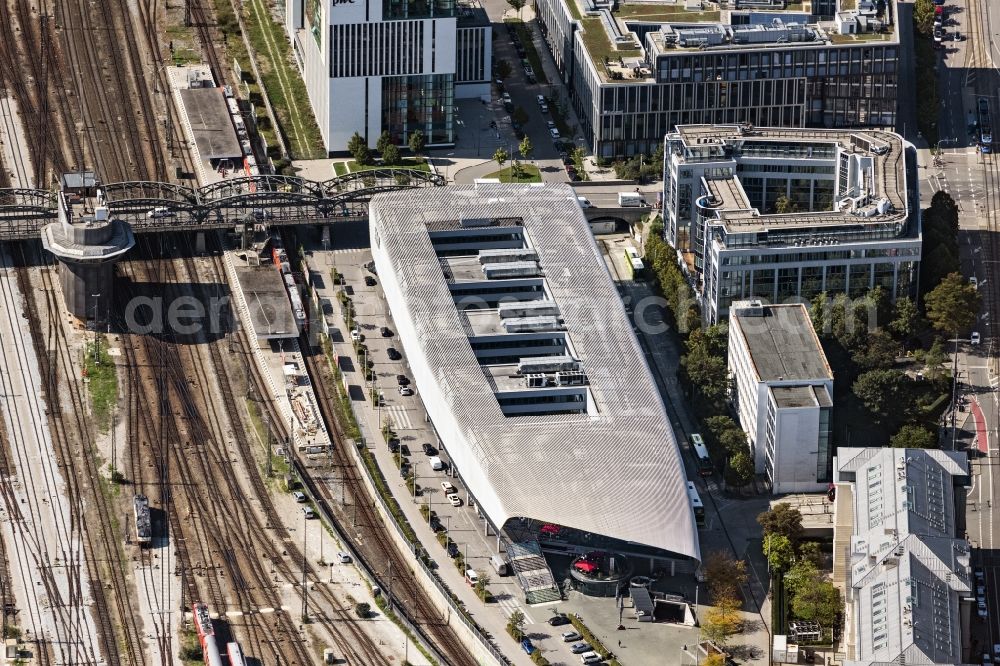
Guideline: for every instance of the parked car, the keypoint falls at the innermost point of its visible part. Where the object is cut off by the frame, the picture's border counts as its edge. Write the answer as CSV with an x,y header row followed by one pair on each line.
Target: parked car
x,y
448,488
370,281
393,353
402,380
554,132
506,98
343,557
979,573
429,449
299,497
309,513
393,445
453,550
386,332
981,608
579,648
355,335
974,338
544,108
405,390
570,636
454,499
370,267
938,35
974,282
527,646
558,620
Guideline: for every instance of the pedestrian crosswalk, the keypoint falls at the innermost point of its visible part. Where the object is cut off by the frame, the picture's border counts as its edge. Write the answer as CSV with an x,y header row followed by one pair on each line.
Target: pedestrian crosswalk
x,y
508,604
399,416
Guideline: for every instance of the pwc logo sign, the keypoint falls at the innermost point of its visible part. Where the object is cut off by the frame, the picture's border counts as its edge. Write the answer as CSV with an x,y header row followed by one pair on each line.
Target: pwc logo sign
x,y
334,3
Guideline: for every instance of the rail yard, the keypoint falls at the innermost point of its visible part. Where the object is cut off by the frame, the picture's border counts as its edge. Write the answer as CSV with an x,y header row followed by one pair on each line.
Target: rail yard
x,y
155,533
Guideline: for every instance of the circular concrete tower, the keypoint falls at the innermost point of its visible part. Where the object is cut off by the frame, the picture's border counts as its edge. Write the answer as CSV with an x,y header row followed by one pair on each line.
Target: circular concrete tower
x,y
87,242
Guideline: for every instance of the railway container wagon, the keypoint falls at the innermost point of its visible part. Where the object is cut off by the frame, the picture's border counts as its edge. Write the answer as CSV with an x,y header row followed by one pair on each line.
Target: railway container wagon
x,y
143,524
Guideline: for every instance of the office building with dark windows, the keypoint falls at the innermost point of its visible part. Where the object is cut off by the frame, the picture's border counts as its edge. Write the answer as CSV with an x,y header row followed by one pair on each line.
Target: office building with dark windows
x,y
636,70
395,65
782,215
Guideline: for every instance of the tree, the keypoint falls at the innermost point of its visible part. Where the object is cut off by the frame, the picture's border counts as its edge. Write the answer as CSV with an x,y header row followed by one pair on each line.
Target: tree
x,y
782,519
881,391
517,5
706,371
779,551
722,621
934,360
953,305
355,142
725,575
362,609
358,148
810,551
904,318
740,469
802,574
818,602
417,142
880,352
734,441
525,148
391,155
500,156
783,205
913,437
923,17
502,69
482,580
515,625
384,139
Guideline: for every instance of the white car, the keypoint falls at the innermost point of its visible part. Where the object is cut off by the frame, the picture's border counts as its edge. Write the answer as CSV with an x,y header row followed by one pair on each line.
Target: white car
x,y
570,636
550,124
355,335
343,557
405,390
454,499
506,98
299,497
448,488
974,338
974,282
996,650
554,132
981,608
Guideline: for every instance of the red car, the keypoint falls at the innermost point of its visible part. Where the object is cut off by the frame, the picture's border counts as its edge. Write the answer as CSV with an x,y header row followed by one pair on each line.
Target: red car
x,y
585,566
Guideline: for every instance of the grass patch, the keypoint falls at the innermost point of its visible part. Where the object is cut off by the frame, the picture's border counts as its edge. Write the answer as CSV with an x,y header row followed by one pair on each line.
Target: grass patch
x,y
667,13
596,41
529,174
102,382
530,53
190,651
417,163
574,10
340,168
284,84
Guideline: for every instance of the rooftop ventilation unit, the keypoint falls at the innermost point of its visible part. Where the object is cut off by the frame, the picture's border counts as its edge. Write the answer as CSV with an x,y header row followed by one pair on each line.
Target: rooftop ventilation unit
x,y
530,324
528,309
754,308
536,381
470,222
571,378
534,364
506,255
511,269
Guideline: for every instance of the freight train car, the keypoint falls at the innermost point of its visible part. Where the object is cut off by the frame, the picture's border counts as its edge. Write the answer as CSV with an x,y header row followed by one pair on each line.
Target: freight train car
x,y
143,524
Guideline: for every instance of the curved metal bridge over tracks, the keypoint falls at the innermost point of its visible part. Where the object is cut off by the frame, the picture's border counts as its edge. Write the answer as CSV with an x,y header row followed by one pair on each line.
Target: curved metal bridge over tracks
x,y
274,200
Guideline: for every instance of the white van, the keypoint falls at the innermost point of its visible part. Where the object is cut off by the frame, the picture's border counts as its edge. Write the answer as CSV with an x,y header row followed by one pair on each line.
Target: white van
x,y
630,200
499,563
436,463
471,576
584,202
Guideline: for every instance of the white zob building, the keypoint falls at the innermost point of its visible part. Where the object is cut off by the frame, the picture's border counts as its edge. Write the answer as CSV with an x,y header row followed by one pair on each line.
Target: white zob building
x,y
527,364
396,65
783,394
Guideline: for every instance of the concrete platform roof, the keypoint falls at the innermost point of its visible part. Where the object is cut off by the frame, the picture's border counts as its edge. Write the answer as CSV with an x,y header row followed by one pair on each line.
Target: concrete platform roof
x,y
210,123
270,311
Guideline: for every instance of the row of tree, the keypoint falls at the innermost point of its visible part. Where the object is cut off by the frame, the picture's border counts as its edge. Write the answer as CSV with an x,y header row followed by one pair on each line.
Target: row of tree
x,y
796,565
390,152
661,257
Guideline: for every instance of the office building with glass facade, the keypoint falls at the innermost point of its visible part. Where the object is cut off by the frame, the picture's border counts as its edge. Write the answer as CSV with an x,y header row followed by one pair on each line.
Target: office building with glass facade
x,y
396,65
784,214
635,71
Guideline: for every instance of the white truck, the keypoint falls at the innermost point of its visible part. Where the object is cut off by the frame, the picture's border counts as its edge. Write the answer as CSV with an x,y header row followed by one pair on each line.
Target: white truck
x,y
631,200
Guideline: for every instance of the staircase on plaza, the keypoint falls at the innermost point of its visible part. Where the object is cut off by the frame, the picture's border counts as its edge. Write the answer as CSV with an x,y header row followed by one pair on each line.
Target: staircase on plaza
x,y
532,572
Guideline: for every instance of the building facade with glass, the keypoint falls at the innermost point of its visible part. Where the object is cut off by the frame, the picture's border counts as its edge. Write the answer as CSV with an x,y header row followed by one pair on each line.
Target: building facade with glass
x,y
632,78
783,215
374,65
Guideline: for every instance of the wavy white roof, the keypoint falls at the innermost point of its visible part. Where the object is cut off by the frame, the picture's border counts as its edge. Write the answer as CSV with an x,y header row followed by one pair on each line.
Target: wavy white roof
x,y
617,473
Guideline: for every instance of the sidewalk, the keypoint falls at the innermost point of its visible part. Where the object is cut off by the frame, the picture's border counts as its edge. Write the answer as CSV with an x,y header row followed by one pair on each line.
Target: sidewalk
x,y
491,619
